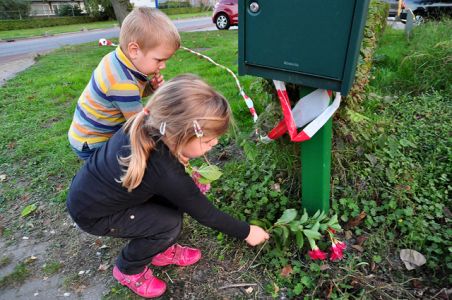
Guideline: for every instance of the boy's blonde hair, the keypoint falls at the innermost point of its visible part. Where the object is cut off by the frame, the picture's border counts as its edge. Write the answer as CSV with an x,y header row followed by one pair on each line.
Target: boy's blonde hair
x,y
148,28
178,104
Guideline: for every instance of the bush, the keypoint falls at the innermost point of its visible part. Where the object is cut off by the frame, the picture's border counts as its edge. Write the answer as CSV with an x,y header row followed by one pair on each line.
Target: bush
x,y
44,22
174,4
182,10
69,10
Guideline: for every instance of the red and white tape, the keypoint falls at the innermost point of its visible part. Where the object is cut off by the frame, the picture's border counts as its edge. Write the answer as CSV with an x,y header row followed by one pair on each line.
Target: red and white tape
x,y
312,109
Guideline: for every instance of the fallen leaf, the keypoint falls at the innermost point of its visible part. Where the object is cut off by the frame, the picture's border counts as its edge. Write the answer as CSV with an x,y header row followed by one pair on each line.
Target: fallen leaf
x,y
25,197
276,187
59,187
324,267
356,221
249,290
103,267
361,239
286,271
358,248
412,259
275,288
30,259
417,284
11,145
373,266
98,242
348,234
28,209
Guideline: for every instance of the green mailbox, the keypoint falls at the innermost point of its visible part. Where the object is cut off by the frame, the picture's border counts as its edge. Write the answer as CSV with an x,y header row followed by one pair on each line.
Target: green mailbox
x,y
313,43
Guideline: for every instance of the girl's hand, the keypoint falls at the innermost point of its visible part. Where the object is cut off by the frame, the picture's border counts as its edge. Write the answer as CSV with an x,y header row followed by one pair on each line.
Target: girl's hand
x,y
157,81
256,236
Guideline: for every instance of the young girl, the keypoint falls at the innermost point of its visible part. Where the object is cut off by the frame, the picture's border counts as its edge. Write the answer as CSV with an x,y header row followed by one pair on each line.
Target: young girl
x,y
136,186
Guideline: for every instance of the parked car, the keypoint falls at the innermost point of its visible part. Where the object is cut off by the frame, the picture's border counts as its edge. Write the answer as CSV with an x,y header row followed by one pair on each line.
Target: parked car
x,y
394,7
226,14
422,9
428,9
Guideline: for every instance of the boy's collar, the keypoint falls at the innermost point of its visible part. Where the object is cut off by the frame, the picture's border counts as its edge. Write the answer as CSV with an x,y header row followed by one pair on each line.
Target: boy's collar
x,y
120,55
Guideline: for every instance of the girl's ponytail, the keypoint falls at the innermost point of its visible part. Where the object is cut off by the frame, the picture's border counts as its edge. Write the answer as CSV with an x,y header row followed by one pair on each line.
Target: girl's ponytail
x,y
140,147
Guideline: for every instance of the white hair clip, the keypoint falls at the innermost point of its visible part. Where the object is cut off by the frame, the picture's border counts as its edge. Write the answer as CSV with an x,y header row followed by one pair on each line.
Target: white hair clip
x,y
198,130
162,128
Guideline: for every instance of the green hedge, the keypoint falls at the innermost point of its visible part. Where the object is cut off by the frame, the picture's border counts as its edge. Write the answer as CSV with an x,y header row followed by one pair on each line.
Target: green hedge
x,y
375,25
182,10
174,4
44,22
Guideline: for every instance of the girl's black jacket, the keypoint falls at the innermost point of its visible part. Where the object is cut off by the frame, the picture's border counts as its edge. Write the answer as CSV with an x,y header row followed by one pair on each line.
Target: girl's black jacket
x,y
95,192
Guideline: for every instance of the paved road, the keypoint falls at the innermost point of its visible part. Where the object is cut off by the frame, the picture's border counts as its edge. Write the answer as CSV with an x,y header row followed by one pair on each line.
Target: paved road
x,y
10,51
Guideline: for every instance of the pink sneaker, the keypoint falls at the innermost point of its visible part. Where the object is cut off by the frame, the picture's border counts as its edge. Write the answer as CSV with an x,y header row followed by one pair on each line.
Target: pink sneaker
x,y
177,255
144,284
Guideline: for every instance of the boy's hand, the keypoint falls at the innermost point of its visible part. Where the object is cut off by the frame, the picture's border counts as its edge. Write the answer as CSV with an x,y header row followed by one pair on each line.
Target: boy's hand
x,y
157,81
256,236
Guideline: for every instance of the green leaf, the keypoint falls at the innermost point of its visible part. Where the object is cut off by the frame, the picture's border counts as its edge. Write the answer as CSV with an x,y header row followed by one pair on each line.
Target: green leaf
x,y
304,217
298,289
316,226
317,213
210,172
28,209
203,180
277,237
258,223
299,239
321,216
294,226
285,234
288,216
315,235
333,220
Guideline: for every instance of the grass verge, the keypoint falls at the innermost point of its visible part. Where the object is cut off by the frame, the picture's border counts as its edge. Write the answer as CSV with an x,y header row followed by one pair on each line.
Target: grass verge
x,y
391,161
46,31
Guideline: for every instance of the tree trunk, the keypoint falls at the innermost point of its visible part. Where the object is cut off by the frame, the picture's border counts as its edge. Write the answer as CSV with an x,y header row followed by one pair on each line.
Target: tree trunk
x,y
121,9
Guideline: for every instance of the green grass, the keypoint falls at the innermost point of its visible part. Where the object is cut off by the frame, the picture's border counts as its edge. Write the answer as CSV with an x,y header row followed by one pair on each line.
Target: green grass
x,y
45,31
16,277
421,64
4,261
37,159
34,32
391,159
51,267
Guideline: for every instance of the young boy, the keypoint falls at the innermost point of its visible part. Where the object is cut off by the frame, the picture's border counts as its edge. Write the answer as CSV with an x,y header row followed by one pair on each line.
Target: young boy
x,y
147,40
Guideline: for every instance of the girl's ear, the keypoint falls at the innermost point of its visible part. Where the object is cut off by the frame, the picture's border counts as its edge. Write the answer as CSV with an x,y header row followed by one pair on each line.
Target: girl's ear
x,y
132,50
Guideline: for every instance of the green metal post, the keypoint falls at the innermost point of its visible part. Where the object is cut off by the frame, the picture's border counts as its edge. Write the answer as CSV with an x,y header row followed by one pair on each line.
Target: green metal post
x,y
316,170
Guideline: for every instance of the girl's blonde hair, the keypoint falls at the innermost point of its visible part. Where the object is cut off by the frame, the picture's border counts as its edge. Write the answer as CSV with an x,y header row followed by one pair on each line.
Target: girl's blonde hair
x,y
148,28
178,104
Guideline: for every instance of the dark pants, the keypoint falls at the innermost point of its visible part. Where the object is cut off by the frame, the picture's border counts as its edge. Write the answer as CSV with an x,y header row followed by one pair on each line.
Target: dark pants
x,y
85,153
152,228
